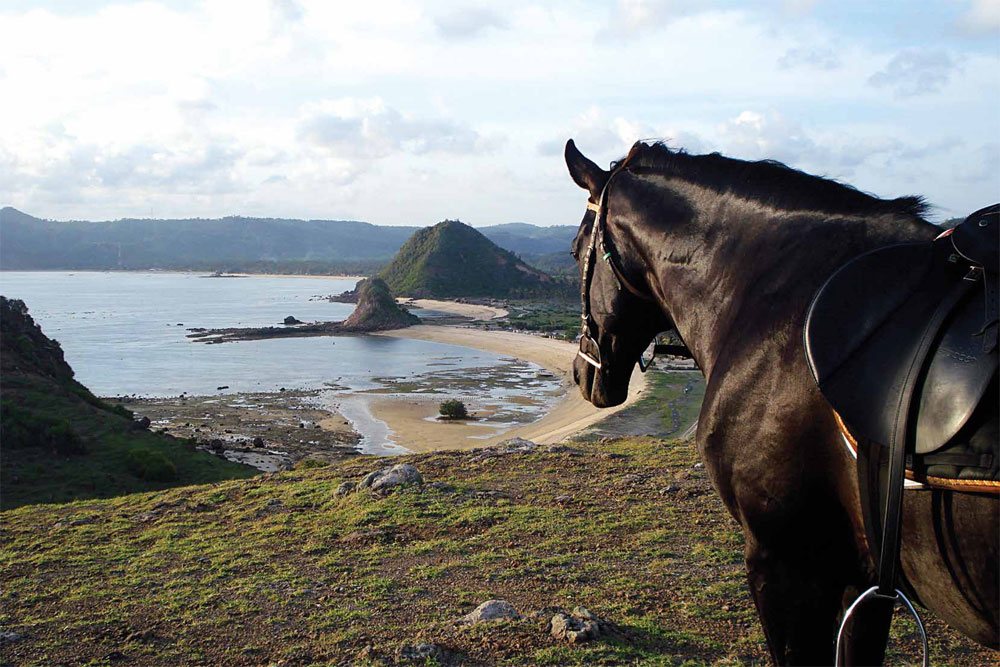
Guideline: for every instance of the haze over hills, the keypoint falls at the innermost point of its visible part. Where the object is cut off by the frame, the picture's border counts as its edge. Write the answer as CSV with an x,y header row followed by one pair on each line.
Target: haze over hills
x,y
230,244
452,259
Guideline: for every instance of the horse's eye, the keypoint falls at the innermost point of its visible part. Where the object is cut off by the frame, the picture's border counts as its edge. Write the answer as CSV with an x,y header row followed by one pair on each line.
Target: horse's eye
x,y
575,254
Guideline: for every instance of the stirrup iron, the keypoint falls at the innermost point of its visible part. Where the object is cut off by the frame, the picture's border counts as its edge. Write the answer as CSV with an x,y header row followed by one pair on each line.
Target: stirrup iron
x,y
899,596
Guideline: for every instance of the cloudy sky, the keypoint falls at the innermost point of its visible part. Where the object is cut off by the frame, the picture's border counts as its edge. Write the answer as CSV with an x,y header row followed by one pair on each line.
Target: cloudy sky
x,y
408,113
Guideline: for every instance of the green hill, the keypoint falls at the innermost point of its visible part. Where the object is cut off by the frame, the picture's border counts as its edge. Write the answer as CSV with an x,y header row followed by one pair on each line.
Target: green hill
x,y
451,259
61,443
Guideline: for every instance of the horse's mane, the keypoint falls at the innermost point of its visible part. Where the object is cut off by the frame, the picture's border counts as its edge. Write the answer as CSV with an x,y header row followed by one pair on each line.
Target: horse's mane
x,y
767,180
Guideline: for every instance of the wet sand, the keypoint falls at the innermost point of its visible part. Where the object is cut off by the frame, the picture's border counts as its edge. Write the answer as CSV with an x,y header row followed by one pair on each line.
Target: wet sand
x,y
412,421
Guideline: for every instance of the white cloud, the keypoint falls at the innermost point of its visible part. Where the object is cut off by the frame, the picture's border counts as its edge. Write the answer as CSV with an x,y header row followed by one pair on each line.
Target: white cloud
x,y
368,129
915,72
981,18
468,22
457,107
823,58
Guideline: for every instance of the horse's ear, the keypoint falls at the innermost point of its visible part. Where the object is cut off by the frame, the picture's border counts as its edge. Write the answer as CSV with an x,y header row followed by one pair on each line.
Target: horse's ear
x,y
585,173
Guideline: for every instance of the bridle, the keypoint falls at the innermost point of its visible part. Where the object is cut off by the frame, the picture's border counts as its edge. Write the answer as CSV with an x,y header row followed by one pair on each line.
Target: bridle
x,y
599,239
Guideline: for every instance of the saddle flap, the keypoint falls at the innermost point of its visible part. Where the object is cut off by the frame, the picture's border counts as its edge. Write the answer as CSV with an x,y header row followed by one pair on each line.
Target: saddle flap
x,y
862,331
957,377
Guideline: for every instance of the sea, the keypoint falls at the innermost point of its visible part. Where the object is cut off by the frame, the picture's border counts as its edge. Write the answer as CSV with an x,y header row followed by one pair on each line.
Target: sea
x,y
125,333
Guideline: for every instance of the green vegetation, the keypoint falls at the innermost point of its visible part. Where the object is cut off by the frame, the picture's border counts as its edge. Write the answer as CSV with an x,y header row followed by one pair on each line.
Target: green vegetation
x,y
62,443
453,409
559,318
279,569
452,259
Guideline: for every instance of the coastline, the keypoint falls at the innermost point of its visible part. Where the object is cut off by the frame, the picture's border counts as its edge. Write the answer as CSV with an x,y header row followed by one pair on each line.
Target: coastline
x,y
411,420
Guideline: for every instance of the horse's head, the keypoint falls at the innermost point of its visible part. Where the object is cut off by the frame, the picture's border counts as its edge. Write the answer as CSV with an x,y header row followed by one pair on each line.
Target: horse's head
x,y
620,319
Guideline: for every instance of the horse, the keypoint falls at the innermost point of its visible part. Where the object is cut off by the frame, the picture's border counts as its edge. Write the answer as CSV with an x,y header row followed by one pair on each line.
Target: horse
x,y
728,253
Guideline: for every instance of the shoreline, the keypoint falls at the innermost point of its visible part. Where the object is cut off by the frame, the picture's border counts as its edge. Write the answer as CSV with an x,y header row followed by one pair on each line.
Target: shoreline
x,y
570,413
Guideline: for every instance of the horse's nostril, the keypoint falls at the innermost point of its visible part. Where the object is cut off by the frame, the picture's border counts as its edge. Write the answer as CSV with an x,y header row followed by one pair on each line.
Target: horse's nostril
x,y
576,374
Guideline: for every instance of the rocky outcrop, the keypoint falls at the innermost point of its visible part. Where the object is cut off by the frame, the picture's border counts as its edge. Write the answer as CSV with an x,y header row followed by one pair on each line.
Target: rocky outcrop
x,y
377,310
25,348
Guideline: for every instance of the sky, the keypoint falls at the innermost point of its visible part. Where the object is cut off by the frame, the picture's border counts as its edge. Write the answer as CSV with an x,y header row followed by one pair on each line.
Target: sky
x,y
408,113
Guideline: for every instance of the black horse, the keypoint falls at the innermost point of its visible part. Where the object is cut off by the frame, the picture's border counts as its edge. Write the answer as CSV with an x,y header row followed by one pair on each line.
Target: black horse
x,y
730,253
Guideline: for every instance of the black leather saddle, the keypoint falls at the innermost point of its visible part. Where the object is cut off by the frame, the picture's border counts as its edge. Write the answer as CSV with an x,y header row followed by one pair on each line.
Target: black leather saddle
x,y
902,342
865,326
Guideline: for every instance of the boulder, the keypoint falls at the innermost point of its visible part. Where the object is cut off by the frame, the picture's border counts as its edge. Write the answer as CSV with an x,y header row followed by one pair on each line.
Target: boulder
x,y
424,653
345,488
579,626
512,446
491,610
290,320
387,479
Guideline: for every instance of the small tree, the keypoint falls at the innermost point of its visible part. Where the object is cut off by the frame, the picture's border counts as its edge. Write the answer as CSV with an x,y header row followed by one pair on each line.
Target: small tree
x,y
454,410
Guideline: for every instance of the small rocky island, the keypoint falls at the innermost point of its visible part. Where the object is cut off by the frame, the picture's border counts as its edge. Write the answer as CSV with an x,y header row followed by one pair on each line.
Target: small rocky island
x,y
377,310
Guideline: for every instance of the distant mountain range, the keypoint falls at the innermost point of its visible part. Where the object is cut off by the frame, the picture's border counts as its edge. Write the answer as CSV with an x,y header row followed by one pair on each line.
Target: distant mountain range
x,y
234,243
451,259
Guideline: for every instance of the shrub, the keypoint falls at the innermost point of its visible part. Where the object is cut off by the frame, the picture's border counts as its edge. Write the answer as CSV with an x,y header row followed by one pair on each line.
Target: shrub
x,y
151,465
23,428
454,410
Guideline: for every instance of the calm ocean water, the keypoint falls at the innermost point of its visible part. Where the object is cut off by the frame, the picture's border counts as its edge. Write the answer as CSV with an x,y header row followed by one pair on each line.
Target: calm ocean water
x,y
124,333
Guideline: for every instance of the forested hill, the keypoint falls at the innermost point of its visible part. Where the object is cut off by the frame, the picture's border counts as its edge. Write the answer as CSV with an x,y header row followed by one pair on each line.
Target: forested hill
x,y
451,259
230,244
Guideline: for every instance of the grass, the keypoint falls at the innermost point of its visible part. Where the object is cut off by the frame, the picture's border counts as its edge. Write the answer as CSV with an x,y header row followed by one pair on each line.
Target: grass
x,y
276,569
110,457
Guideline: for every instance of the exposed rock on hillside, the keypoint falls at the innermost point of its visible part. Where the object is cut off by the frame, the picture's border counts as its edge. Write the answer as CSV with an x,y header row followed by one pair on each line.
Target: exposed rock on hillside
x,y
23,346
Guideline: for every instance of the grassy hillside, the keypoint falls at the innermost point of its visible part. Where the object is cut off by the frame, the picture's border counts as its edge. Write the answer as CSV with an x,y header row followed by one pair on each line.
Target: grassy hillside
x,y
61,443
452,259
280,570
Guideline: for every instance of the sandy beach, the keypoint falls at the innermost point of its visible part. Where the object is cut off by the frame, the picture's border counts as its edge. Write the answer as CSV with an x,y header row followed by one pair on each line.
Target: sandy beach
x,y
471,310
412,420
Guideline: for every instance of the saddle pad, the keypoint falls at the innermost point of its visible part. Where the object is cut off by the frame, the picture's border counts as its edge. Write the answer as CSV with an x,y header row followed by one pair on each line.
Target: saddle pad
x,y
926,481
863,327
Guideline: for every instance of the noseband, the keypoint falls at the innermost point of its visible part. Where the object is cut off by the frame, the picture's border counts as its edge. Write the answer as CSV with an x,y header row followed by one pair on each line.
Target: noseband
x,y
598,238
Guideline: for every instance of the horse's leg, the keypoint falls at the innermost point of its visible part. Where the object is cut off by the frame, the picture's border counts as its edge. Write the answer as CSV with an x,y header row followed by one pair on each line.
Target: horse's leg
x,y
866,633
797,600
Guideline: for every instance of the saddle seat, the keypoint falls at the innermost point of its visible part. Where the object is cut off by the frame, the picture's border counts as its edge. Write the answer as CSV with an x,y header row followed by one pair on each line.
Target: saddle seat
x,y
867,322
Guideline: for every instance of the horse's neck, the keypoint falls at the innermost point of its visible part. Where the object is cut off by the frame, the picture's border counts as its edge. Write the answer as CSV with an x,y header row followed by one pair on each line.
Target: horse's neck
x,y
742,273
